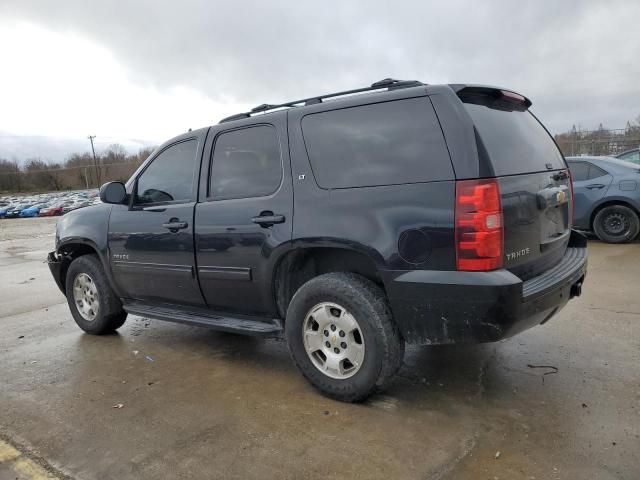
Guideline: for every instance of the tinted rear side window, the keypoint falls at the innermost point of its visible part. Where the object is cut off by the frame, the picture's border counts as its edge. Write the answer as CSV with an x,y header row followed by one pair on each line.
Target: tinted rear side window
x,y
579,171
515,141
381,144
246,163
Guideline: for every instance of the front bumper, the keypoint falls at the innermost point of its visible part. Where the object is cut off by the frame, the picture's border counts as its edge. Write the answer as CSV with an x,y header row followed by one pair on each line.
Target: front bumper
x,y
440,307
56,263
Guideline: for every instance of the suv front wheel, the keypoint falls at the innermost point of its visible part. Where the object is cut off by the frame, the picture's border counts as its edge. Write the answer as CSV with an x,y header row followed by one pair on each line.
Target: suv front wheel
x,y
93,303
342,337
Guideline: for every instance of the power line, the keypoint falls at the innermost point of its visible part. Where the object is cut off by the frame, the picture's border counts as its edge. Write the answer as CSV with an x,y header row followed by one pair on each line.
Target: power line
x,y
95,161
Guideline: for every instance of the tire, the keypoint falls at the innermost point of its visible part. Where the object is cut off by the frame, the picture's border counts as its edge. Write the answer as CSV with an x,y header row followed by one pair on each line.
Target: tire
x,y
376,345
105,306
616,224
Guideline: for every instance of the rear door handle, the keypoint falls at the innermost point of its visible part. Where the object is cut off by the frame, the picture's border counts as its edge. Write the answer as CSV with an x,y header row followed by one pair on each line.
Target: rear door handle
x,y
595,185
174,225
268,220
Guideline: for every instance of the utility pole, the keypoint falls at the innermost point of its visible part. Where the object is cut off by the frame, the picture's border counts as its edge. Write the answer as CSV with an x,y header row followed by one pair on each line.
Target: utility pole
x,y
95,162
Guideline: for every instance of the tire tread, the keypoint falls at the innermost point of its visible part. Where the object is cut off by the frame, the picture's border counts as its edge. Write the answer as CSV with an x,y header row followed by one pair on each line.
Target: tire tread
x,y
111,316
357,290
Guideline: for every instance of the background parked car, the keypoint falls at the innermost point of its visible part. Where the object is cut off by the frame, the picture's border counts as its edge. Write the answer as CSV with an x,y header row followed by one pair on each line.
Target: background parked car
x,y
14,212
33,210
630,156
607,197
52,210
80,203
4,209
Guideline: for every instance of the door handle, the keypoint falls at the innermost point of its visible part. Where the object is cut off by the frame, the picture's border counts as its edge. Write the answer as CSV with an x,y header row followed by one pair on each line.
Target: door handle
x,y
266,219
595,185
174,225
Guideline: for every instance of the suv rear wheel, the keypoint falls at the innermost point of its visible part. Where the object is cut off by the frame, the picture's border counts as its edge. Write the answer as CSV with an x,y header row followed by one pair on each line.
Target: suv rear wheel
x,y
342,337
616,224
93,303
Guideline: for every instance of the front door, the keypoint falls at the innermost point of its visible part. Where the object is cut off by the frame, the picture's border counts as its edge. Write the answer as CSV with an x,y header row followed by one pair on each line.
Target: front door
x,y
245,213
151,241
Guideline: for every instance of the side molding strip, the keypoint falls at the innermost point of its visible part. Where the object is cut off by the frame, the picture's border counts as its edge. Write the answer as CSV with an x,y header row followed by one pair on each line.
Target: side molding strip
x,y
225,273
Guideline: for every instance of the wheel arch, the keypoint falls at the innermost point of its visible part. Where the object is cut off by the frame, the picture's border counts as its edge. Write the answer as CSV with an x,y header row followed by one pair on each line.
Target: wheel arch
x,y
70,249
301,263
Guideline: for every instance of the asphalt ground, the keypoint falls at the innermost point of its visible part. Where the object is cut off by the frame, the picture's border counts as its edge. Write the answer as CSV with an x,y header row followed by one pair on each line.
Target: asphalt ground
x,y
201,404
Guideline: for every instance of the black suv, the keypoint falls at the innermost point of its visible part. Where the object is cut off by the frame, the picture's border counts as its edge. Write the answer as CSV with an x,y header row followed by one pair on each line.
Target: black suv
x,y
349,223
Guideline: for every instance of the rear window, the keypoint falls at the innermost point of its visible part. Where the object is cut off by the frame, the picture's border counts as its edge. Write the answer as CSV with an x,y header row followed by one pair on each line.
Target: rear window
x,y
380,144
514,140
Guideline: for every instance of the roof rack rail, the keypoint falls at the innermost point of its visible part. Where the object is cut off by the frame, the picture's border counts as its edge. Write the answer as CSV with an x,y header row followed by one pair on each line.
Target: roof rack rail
x,y
388,83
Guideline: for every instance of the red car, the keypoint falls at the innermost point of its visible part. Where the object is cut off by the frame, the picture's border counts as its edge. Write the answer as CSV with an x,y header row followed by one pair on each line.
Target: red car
x,y
51,211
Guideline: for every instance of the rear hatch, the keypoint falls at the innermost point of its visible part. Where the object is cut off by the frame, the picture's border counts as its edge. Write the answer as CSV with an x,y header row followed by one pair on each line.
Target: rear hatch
x,y
534,181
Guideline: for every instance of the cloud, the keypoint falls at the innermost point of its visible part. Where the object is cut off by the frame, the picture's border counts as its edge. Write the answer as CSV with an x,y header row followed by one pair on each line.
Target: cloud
x,y
577,60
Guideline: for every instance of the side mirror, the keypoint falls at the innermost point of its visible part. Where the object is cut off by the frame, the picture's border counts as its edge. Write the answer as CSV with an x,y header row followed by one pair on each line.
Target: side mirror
x,y
113,192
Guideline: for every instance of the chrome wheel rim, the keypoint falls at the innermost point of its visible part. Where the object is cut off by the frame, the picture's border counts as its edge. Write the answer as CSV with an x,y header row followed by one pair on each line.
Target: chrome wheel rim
x,y
85,296
333,340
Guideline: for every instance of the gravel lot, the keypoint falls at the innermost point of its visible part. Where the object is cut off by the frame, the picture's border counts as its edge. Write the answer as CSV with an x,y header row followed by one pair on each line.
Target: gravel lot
x,y
201,404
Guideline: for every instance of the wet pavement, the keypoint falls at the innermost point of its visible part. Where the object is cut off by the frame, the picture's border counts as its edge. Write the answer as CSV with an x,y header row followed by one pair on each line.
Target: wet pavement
x,y
200,404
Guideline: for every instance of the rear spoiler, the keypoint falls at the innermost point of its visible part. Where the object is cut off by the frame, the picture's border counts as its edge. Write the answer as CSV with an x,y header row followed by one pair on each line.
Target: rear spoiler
x,y
492,97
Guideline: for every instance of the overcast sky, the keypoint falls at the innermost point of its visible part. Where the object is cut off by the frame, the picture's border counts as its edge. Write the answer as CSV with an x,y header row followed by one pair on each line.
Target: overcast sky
x,y
140,72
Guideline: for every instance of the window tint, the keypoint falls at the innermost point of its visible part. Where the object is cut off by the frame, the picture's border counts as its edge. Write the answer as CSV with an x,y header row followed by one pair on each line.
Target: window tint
x,y
381,144
579,171
515,141
595,172
246,163
169,177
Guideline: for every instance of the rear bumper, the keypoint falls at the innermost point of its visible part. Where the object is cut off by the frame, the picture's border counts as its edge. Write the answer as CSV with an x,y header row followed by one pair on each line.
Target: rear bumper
x,y
439,307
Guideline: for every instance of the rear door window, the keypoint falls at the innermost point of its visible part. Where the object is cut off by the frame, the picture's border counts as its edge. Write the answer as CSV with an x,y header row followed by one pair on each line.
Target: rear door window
x,y
596,172
579,171
515,141
246,163
379,144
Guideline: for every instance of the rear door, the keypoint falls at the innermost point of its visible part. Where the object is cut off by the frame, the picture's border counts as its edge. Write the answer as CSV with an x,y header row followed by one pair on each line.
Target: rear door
x,y
246,211
590,184
533,177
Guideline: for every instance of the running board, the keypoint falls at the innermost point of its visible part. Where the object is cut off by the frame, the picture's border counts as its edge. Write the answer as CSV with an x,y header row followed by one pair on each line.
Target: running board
x,y
243,324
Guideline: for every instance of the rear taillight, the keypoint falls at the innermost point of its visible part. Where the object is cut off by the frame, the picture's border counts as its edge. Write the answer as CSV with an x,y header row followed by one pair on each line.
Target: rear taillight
x,y
479,229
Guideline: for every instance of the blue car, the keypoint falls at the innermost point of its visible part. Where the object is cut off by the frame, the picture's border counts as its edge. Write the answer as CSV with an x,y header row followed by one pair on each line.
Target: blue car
x,y
3,210
33,210
16,209
607,197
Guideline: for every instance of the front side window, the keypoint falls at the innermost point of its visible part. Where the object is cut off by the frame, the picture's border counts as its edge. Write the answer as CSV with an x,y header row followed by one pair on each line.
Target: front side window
x,y
246,163
169,177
